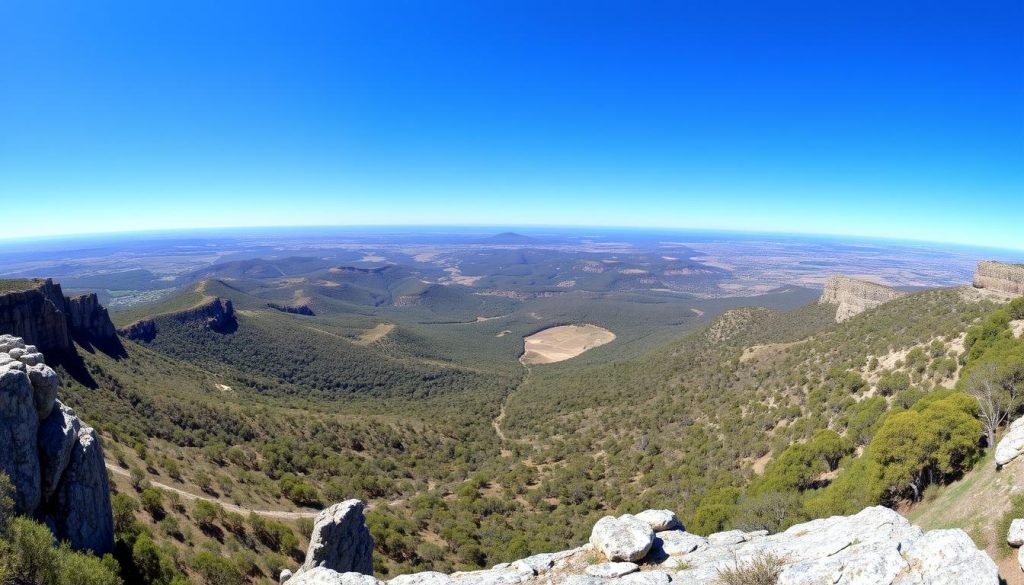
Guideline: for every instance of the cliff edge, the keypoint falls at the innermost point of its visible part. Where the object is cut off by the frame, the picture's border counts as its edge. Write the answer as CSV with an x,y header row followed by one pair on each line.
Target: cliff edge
x,y
852,296
1000,277
41,315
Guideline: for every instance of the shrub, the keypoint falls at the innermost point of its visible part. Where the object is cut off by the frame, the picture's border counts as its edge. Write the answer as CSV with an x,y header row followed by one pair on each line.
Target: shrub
x,y
763,569
216,570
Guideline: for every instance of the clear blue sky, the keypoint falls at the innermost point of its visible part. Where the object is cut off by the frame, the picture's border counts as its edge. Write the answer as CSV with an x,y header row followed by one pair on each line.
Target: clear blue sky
x,y
883,118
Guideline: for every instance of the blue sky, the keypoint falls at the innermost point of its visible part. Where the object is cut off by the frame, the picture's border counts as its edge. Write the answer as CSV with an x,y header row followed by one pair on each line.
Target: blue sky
x,y
890,119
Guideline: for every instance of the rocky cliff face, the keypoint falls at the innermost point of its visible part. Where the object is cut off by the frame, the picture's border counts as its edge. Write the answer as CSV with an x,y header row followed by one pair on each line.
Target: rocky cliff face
x,y
44,317
89,320
852,296
217,314
876,546
1007,279
38,315
144,330
53,459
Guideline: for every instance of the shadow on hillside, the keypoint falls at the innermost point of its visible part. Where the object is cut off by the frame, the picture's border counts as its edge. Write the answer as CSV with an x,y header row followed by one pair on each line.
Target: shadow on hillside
x,y
74,365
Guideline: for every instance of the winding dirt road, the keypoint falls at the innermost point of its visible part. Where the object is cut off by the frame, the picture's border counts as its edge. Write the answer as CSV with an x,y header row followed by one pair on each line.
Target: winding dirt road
x,y
227,506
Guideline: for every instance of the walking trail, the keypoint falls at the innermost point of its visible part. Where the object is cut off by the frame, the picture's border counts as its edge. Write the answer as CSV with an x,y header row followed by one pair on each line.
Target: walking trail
x,y
227,506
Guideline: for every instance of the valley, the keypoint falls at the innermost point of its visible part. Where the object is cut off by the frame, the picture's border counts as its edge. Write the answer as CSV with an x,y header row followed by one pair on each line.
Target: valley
x,y
481,427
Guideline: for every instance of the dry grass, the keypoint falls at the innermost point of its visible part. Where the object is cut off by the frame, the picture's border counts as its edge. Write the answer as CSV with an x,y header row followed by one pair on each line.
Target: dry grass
x,y
764,569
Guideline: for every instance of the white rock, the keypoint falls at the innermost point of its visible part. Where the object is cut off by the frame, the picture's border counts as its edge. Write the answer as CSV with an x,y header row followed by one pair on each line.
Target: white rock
x,y
325,576
678,542
727,537
44,384
857,565
537,563
423,578
1012,443
515,573
9,342
582,580
644,578
609,570
284,576
948,557
31,359
626,538
660,520
340,540
1015,536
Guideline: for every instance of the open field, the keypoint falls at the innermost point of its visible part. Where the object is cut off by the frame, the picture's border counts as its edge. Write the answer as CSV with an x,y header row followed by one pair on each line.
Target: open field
x,y
558,344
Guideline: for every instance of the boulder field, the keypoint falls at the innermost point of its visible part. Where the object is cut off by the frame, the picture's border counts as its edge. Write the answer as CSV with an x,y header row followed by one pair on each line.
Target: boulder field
x,y
876,546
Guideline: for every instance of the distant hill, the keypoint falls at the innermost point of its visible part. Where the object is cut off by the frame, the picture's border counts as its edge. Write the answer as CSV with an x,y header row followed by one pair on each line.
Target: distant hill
x,y
510,238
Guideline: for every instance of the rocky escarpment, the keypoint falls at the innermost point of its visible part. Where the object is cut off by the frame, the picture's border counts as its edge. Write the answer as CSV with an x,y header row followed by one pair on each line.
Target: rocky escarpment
x,y
45,318
53,459
876,546
89,321
852,296
1000,277
294,309
37,314
216,314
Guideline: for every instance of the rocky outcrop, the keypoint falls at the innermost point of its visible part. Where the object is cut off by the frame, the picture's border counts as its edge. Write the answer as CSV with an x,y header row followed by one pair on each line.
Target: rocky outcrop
x,y
1012,444
37,315
294,309
626,538
216,314
90,323
852,296
144,330
340,540
660,520
1000,277
876,546
53,459
44,317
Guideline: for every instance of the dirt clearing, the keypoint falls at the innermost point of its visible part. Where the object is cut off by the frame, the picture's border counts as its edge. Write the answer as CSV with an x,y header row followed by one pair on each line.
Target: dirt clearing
x,y
557,344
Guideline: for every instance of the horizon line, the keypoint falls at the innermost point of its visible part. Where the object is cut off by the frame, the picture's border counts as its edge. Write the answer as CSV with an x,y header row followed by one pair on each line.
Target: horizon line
x,y
4,241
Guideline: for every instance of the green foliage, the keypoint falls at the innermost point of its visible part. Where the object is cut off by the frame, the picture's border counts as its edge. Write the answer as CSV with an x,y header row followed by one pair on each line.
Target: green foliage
x,y
716,509
206,513
801,464
1015,309
152,566
772,511
6,502
863,418
933,442
216,570
892,382
273,534
28,553
153,502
